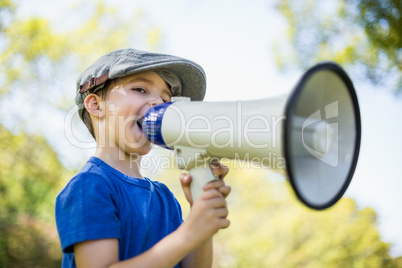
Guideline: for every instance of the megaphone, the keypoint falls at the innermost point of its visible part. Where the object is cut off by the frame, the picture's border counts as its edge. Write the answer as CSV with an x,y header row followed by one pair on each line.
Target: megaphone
x,y
312,134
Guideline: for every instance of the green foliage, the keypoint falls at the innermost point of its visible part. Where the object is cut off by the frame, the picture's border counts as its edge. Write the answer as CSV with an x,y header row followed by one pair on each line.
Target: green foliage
x,y
39,62
382,22
271,228
364,34
37,58
30,178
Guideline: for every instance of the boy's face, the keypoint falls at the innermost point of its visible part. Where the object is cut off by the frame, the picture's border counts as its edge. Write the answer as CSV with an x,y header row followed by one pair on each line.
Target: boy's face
x,y
129,99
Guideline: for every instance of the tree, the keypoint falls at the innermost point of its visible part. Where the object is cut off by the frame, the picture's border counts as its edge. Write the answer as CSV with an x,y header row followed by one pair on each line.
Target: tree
x,y
41,59
363,35
271,228
30,177
39,62
35,53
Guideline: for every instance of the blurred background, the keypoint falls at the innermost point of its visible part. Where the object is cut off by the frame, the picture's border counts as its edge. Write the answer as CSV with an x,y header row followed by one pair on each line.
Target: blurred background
x,y
249,50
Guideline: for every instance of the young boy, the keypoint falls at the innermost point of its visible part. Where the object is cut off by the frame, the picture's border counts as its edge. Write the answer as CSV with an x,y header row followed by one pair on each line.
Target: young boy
x,y
109,215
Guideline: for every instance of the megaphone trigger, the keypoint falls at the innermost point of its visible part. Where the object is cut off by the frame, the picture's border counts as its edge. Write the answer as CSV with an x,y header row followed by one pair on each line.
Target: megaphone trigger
x,y
197,162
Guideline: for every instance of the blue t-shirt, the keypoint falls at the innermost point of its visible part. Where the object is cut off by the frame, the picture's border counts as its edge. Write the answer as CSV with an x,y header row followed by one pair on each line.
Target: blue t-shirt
x,y
101,202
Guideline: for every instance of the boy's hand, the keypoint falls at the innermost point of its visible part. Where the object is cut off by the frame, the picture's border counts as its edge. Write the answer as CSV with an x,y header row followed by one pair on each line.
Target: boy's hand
x,y
209,212
207,216
218,170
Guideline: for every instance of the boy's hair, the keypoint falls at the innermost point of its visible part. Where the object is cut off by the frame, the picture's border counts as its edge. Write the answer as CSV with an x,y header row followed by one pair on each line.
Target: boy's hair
x,y
86,118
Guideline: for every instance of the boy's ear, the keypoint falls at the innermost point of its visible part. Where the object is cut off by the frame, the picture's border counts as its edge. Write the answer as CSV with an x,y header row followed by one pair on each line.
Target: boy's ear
x,y
94,105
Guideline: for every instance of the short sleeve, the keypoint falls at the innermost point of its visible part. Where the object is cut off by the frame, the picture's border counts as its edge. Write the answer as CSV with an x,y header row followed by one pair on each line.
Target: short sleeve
x,y
85,210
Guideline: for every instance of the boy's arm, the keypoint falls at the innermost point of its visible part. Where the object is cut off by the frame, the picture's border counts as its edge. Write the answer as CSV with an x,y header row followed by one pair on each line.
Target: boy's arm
x,y
203,256
104,253
206,217
200,257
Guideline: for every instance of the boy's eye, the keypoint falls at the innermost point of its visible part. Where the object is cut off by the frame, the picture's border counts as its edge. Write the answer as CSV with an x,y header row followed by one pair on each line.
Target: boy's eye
x,y
141,90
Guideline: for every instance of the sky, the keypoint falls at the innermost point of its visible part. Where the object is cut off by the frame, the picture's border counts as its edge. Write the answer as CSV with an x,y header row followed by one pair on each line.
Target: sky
x,y
232,41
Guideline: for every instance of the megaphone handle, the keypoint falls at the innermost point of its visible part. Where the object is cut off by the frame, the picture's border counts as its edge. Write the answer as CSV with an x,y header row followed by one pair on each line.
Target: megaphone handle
x,y
199,177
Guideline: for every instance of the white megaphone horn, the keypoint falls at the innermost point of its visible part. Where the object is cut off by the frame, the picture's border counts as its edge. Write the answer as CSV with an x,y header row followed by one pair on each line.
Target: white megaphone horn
x,y
313,134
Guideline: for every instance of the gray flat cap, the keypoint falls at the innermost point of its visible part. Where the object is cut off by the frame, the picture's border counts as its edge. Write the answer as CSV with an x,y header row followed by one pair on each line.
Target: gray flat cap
x,y
185,77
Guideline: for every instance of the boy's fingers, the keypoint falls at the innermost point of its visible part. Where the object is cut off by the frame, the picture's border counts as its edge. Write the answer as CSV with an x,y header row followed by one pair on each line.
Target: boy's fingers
x,y
185,178
219,170
224,223
211,194
219,185
225,190
222,212
215,184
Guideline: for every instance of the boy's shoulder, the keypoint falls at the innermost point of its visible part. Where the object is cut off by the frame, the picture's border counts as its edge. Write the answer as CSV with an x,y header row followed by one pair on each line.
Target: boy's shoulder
x,y
91,173
94,167
97,174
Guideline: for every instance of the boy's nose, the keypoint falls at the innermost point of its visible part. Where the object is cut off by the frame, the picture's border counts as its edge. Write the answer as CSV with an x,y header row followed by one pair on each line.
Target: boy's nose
x,y
155,101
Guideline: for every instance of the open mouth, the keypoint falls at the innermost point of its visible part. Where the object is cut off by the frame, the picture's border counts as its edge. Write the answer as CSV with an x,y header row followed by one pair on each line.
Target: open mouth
x,y
139,122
